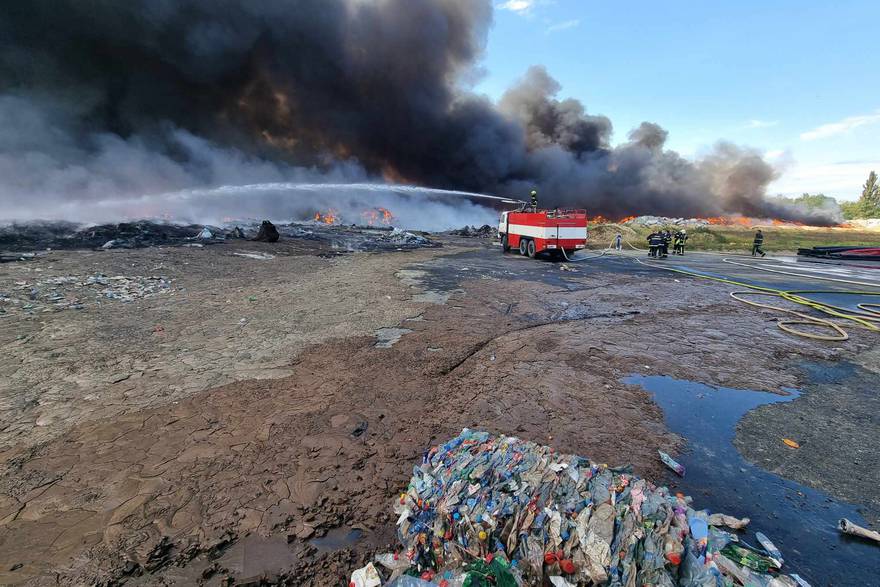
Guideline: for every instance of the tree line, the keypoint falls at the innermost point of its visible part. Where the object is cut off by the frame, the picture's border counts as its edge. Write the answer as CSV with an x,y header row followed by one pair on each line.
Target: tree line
x,y
867,206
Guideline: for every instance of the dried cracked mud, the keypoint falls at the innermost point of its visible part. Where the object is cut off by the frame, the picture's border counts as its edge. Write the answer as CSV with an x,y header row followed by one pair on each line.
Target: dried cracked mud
x,y
214,434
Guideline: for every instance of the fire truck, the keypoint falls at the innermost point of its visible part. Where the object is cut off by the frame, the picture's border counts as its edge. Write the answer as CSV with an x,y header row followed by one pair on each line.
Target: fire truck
x,y
560,232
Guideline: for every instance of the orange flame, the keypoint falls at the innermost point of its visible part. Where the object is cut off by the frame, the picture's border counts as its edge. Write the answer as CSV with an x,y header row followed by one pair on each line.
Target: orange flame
x,y
331,216
377,216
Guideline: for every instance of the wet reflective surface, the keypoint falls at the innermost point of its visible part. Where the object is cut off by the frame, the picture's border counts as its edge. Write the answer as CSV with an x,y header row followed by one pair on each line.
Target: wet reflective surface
x,y
801,521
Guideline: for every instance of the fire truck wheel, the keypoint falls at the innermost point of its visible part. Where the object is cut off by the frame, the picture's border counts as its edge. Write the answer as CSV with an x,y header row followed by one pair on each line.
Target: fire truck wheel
x,y
532,250
523,243
505,246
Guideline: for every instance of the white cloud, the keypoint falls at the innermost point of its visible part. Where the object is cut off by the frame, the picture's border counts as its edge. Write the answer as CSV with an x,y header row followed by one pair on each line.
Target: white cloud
x,y
517,5
774,154
755,123
561,26
844,126
841,180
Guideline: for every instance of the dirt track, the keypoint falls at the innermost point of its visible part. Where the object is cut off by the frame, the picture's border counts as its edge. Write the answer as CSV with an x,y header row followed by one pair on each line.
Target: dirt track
x,y
314,427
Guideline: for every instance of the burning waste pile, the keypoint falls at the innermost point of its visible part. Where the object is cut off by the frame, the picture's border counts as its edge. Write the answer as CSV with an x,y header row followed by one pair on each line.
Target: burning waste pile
x,y
18,239
494,510
485,231
74,293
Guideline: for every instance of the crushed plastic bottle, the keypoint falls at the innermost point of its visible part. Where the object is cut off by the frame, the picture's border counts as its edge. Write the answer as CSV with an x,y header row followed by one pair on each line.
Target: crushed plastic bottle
x,y
483,505
671,463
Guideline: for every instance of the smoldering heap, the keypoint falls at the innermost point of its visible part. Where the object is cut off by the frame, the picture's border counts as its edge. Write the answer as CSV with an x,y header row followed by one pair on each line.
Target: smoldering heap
x,y
119,99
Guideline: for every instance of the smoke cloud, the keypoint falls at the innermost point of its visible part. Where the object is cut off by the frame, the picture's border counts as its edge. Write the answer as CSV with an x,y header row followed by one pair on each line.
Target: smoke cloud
x,y
106,102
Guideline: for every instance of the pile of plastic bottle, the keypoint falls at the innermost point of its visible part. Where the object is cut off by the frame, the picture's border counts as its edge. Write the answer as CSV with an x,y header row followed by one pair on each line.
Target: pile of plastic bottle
x,y
497,510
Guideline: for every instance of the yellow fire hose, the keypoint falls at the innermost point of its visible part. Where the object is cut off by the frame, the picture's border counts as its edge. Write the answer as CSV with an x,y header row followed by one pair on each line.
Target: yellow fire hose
x,y
867,317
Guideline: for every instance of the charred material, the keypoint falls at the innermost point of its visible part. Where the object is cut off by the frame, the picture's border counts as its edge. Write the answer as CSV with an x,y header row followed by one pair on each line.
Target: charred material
x,y
268,233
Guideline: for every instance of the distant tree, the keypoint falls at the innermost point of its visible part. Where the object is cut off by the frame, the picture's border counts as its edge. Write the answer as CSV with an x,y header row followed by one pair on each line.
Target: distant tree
x,y
869,202
814,201
850,210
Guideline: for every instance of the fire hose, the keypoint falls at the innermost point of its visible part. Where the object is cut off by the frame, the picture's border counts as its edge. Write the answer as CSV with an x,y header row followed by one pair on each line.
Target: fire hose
x,y
865,317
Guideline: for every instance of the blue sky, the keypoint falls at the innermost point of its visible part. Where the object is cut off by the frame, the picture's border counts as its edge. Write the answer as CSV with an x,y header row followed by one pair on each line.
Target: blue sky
x,y
797,80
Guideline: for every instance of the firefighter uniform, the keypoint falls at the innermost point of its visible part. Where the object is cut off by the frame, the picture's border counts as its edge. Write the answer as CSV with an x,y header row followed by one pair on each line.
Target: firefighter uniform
x,y
757,244
655,244
534,199
679,239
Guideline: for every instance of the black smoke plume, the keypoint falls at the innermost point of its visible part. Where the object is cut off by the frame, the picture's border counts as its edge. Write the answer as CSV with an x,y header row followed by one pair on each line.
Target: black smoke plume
x,y
105,100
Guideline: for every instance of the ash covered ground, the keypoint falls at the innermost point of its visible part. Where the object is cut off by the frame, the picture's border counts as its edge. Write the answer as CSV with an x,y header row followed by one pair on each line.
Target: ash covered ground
x,y
245,411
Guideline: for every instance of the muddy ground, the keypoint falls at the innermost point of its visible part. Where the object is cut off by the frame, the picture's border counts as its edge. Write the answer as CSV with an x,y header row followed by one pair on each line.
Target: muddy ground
x,y
217,429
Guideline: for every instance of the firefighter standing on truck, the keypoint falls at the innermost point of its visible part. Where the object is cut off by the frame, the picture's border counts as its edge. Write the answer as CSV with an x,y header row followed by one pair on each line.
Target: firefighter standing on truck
x,y
534,199
757,244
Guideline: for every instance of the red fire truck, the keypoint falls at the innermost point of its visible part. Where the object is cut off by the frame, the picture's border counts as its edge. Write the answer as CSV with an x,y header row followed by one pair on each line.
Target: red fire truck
x,y
534,231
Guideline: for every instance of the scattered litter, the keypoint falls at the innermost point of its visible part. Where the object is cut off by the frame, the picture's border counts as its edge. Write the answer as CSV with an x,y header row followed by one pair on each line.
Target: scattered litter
x,y
73,292
769,547
729,521
848,527
496,510
485,231
564,267
402,237
671,463
365,577
255,255
791,443
236,233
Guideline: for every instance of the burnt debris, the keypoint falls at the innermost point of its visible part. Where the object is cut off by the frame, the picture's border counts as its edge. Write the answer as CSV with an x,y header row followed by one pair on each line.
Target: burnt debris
x,y
268,233
20,242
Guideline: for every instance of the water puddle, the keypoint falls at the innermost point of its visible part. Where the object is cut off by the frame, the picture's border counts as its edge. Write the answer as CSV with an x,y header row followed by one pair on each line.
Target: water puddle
x,y
801,521
337,539
386,337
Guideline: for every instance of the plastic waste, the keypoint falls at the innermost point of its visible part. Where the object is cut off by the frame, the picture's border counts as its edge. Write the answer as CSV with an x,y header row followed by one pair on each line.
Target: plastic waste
x,y
729,521
790,443
485,510
769,547
848,527
365,577
749,557
205,234
407,581
671,463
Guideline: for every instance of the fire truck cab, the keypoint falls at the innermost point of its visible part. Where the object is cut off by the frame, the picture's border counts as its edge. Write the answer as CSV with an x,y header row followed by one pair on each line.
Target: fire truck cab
x,y
535,231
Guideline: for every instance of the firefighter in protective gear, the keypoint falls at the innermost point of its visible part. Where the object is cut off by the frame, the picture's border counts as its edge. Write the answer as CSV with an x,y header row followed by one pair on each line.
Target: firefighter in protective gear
x,y
757,244
680,238
534,200
655,244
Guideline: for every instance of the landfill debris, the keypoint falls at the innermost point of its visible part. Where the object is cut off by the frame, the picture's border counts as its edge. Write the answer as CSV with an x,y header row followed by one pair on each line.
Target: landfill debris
x,y
236,233
848,527
485,231
565,267
255,255
769,547
365,577
729,521
402,237
496,510
791,443
267,233
205,234
671,463
73,292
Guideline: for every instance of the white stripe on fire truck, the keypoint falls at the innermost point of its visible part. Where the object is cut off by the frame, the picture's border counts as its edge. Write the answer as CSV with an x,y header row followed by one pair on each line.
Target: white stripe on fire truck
x,y
565,232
